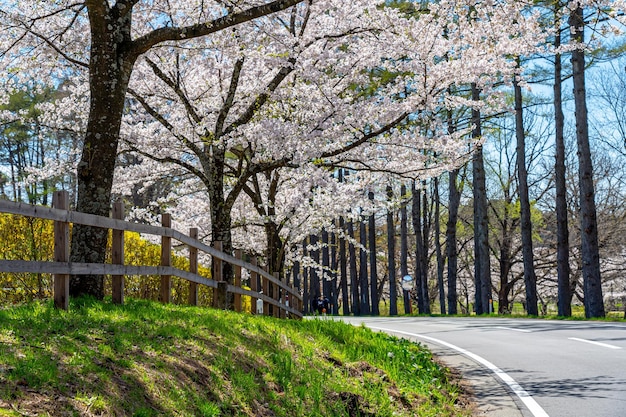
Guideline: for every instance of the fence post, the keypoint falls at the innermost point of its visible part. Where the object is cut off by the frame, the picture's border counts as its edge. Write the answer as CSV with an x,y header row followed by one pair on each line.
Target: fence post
x,y
193,268
279,311
296,304
237,297
300,302
60,200
254,285
166,260
117,254
293,301
219,294
266,290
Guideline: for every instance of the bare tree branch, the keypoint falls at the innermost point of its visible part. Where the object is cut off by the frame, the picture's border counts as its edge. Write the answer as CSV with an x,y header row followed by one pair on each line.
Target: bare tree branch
x,y
144,43
230,98
359,141
176,88
161,119
261,98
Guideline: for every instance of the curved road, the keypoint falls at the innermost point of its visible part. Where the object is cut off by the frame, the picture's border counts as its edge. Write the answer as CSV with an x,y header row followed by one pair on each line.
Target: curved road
x,y
550,368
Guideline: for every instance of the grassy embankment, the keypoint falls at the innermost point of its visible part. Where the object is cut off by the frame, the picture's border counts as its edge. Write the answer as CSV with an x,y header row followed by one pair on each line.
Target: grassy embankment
x,y
148,359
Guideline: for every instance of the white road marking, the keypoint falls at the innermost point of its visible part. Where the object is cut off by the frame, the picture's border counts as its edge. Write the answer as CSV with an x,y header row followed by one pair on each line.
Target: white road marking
x,y
513,329
606,345
532,405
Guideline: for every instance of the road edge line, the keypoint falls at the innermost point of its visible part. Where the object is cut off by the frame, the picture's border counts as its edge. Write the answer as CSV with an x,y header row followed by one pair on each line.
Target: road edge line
x,y
530,403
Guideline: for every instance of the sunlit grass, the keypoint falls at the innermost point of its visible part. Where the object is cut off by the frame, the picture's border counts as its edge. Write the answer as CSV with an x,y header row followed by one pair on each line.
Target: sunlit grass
x,y
149,359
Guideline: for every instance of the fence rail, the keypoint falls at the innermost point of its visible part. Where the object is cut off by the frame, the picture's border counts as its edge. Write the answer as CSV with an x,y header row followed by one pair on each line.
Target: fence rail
x,y
282,298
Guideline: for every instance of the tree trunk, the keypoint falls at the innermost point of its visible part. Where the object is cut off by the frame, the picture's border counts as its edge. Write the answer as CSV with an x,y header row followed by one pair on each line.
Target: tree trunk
x,y
373,269
425,252
326,291
314,271
482,267
333,274
295,272
530,279
404,249
365,294
220,209
391,257
354,277
454,197
109,71
275,248
420,278
306,294
440,260
506,261
343,262
343,271
594,305
562,231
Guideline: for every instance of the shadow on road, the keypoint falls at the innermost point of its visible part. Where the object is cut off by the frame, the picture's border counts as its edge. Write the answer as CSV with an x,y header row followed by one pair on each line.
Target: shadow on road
x,y
588,388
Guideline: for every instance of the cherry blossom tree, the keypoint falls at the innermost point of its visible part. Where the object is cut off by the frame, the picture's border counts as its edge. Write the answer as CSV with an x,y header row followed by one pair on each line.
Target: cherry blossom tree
x,y
322,86
104,39
325,86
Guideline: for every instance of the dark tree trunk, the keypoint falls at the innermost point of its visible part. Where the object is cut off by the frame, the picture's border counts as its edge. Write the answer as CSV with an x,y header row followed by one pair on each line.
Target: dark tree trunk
x,y
482,267
326,291
594,305
425,251
295,274
110,68
391,257
220,208
404,249
343,271
275,248
440,260
275,245
420,277
454,197
562,231
343,262
530,279
316,289
506,263
333,274
354,277
365,294
306,295
373,269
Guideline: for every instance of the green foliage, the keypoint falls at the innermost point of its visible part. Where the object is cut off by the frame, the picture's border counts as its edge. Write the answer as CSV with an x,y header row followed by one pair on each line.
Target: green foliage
x,y
378,79
502,210
149,359
24,143
408,8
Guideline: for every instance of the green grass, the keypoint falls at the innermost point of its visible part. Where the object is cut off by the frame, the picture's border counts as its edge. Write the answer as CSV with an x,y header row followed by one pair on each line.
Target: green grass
x,y
149,359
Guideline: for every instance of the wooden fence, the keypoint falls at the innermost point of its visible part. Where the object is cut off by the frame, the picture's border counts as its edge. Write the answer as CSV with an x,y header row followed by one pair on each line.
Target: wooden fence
x,y
266,290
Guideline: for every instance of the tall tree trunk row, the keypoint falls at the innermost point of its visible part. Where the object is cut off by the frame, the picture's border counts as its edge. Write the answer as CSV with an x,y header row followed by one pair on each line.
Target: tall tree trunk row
x,y
530,280
590,252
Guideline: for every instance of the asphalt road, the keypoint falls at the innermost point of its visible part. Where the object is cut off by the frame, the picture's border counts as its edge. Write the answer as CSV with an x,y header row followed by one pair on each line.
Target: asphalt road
x,y
549,368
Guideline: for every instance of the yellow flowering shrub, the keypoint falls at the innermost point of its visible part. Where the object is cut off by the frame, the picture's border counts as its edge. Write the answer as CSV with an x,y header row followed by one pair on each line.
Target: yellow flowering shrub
x,y
30,239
